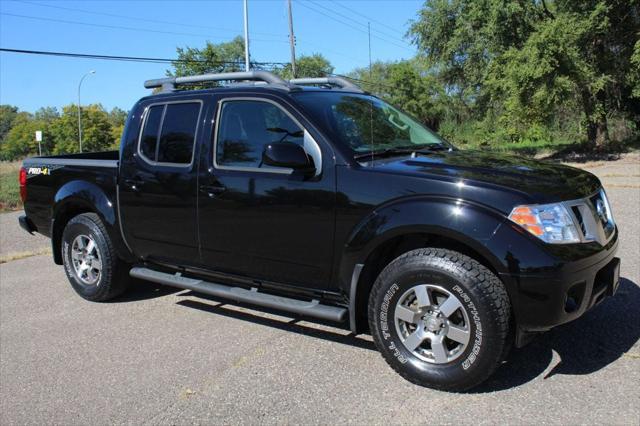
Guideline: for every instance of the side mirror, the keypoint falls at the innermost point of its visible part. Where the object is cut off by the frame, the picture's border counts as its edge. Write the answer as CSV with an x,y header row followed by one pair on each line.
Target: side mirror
x,y
287,155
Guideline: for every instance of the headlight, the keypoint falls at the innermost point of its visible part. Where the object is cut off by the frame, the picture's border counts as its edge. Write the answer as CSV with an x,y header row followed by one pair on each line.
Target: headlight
x,y
549,222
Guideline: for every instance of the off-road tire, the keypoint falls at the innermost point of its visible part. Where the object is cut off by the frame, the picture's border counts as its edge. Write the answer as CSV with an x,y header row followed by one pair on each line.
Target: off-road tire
x,y
113,278
480,292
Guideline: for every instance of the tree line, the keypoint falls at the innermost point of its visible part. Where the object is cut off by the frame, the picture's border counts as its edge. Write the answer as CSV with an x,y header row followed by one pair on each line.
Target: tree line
x,y
101,130
487,72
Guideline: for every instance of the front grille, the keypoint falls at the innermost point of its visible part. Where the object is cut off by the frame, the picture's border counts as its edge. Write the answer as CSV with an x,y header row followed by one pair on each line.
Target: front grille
x,y
593,217
576,212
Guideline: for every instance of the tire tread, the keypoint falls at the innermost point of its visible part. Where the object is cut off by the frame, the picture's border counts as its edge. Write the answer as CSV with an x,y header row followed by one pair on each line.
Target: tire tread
x,y
493,295
117,279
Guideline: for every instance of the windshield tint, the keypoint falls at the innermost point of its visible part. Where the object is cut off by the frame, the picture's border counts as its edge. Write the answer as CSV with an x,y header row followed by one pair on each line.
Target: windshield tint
x,y
363,122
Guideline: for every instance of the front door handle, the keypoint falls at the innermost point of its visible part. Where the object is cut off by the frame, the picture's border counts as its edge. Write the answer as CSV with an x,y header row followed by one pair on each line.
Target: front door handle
x,y
212,190
134,184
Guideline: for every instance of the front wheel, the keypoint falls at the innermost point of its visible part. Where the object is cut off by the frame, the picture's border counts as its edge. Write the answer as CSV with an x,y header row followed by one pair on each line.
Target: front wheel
x,y
440,318
90,261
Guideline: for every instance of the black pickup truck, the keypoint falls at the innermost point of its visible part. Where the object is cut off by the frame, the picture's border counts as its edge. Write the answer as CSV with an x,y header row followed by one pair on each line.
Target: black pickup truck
x,y
313,197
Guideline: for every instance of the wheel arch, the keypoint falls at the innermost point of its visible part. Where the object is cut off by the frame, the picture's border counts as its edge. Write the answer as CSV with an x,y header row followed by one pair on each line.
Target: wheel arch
x,y
387,233
78,197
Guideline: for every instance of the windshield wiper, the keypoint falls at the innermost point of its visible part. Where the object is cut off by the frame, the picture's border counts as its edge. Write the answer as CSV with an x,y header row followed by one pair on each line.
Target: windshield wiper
x,y
405,149
430,147
386,152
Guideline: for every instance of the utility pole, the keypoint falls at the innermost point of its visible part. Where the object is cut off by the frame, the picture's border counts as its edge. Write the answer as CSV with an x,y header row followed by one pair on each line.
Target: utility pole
x,y
370,103
369,32
79,109
292,42
246,36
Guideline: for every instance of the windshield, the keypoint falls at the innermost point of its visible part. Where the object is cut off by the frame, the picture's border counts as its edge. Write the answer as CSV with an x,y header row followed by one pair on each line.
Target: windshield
x,y
363,122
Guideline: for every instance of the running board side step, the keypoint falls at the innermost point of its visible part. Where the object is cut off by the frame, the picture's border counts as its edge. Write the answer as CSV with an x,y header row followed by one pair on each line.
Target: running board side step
x,y
312,308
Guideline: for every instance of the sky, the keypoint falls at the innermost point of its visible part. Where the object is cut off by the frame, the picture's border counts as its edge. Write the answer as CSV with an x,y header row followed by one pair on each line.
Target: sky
x,y
337,29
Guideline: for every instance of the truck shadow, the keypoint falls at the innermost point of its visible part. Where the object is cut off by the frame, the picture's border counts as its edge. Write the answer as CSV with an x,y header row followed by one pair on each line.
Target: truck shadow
x,y
144,290
320,329
584,346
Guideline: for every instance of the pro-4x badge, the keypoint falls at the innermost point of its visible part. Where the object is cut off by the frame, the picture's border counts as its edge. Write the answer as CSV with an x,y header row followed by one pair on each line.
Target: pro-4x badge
x,y
43,170
39,171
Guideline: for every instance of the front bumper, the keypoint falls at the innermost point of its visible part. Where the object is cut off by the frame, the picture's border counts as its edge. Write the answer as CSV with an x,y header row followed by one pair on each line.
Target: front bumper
x,y
568,287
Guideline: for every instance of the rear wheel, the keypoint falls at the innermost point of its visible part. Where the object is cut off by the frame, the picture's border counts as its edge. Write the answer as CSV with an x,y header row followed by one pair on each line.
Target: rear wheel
x,y
90,262
440,318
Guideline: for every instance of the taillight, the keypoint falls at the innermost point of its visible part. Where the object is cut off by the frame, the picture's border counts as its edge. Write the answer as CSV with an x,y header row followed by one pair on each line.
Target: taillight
x,y
23,184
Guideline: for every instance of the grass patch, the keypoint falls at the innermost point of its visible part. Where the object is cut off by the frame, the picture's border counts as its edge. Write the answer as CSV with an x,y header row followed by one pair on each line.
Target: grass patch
x,y
9,186
23,254
528,148
560,150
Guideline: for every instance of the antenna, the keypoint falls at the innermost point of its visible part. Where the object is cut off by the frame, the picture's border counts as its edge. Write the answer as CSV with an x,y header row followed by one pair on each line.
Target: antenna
x,y
292,42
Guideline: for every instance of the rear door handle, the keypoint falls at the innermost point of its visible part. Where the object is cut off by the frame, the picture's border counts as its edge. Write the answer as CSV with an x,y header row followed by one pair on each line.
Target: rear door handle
x,y
212,190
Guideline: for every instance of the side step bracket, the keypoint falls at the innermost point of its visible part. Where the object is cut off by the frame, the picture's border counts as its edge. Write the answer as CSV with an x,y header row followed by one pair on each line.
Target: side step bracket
x,y
310,308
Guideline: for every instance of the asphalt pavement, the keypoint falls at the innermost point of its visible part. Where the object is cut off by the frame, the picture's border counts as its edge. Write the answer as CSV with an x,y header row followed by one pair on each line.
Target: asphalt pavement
x,y
161,356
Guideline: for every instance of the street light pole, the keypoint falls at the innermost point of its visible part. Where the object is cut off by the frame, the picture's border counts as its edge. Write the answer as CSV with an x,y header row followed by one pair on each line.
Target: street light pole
x,y
79,109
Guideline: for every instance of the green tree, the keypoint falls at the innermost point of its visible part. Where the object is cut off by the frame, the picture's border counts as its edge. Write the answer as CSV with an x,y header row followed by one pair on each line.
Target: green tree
x,y
408,85
116,136
314,65
213,58
8,113
96,130
117,117
633,81
521,62
47,114
21,140
229,57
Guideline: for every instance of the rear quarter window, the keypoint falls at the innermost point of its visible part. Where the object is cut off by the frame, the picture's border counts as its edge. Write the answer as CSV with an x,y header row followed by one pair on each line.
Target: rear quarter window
x,y
149,137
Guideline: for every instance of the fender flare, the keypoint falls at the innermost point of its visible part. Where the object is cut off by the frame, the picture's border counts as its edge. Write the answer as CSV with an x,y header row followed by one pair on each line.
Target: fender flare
x,y
467,223
83,197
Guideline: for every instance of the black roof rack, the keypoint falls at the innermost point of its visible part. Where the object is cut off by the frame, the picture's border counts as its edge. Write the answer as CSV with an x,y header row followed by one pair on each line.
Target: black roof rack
x,y
170,83
340,82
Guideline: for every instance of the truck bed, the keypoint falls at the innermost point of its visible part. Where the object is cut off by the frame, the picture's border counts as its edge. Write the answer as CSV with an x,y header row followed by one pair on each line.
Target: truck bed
x,y
50,179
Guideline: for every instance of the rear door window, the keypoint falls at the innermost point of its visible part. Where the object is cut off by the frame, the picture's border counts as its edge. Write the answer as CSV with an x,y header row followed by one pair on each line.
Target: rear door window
x,y
169,133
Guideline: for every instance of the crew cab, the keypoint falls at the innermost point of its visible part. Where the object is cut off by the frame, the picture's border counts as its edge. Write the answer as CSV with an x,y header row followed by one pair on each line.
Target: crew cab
x,y
312,197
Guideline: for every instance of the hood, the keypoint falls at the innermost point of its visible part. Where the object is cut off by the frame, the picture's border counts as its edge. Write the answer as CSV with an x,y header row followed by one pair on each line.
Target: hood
x,y
542,181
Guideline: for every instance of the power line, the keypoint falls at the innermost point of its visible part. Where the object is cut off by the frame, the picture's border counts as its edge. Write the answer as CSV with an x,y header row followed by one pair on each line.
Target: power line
x,y
169,61
364,25
365,16
312,8
137,18
119,27
134,58
308,6
159,31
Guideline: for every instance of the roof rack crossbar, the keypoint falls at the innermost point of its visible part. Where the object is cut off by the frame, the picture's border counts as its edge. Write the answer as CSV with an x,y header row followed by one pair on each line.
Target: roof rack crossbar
x,y
169,83
340,82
